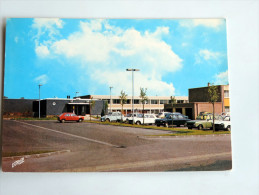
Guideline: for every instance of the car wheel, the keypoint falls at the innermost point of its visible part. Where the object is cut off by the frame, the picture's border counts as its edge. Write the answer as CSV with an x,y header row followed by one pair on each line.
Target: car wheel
x,y
200,127
62,121
228,128
189,128
80,120
158,125
107,120
138,123
166,125
178,125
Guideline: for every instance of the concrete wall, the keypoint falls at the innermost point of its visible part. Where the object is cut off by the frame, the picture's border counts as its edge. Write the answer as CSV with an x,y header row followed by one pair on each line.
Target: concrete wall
x,y
56,107
15,106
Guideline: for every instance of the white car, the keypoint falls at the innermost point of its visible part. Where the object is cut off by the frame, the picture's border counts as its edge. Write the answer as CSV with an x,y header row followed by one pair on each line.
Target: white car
x,y
223,124
112,116
148,119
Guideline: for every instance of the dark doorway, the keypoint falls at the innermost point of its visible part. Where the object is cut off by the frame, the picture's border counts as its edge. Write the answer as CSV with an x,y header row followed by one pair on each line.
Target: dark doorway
x,y
79,109
188,112
179,110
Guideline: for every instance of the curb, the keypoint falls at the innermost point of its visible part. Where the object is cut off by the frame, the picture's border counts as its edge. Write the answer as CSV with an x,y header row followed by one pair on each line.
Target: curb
x,y
36,155
182,136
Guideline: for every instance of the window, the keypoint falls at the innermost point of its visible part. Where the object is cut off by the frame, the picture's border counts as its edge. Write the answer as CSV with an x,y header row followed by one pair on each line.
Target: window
x,y
116,101
163,101
154,101
226,93
136,101
128,102
179,101
227,109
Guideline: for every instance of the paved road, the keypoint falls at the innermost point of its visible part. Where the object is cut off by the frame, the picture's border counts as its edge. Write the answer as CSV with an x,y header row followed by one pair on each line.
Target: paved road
x,y
95,147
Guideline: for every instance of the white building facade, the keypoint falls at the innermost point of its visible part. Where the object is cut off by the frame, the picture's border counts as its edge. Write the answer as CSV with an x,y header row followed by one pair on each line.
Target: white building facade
x,y
154,104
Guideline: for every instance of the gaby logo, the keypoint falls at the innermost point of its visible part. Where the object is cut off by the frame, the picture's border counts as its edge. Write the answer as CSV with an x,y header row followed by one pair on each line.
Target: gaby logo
x,y
18,162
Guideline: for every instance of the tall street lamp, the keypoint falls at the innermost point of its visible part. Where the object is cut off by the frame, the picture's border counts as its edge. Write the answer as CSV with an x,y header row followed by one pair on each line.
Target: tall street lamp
x,y
132,70
111,99
39,99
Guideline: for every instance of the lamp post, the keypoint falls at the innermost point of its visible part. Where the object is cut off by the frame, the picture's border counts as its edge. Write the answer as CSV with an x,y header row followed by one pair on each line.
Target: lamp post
x,y
39,99
111,99
76,93
132,70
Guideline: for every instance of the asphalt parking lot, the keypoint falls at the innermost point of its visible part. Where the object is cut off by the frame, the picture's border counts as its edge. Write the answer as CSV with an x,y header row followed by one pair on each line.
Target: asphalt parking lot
x,y
95,147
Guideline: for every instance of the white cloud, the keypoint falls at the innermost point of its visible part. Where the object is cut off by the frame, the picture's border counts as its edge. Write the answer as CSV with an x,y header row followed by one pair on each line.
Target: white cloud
x,y
48,23
42,79
222,78
205,54
208,55
106,51
122,80
16,39
210,23
42,51
48,27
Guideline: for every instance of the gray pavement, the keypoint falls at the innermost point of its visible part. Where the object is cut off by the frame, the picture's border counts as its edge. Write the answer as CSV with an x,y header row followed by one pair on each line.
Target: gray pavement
x,y
97,147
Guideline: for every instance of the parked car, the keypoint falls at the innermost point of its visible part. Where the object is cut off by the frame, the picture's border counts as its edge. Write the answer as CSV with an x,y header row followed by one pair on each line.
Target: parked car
x,y
148,119
129,117
111,116
223,124
69,117
177,118
162,114
202,122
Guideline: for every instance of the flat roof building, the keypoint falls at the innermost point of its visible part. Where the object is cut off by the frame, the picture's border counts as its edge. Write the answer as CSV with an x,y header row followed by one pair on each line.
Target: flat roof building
x,y
154,104
199,102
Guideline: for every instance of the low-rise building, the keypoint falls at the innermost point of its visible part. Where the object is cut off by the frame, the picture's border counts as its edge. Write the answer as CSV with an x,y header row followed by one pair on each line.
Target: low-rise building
x,y
154,104
199,102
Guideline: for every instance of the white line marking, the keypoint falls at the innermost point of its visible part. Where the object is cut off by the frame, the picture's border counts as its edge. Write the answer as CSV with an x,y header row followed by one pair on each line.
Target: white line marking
x,y
72,135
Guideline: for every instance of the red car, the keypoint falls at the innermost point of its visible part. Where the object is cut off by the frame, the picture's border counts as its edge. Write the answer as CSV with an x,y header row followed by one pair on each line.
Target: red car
x,y
69,117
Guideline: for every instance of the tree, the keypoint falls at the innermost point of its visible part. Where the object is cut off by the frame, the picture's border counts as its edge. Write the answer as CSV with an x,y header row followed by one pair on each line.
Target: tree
x,y
143,96
123,98
92,104
213,96
172,101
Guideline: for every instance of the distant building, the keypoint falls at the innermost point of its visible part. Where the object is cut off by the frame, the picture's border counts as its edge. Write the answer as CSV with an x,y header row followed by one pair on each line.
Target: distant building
x,y
198,102
155,104
51,107
18,107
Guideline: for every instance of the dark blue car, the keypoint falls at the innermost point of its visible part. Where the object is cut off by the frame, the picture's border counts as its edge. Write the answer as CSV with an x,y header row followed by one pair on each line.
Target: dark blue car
x,y
177,118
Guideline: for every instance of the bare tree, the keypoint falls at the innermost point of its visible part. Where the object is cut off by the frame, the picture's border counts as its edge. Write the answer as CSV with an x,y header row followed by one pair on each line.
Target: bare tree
x,y
92,104
213,96
123,98
173,101
143,96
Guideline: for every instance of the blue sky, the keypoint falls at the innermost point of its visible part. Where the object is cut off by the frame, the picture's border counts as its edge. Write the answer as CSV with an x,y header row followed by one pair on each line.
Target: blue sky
x,y
89,56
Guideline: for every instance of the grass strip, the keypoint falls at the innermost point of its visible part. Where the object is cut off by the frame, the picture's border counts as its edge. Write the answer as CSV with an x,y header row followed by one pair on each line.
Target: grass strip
x,y
174,131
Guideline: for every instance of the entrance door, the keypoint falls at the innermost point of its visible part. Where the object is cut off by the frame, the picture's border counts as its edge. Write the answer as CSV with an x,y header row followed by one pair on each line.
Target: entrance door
x,y
188,112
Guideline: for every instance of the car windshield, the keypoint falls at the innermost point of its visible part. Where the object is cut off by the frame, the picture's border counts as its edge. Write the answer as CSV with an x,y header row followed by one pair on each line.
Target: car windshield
x,y
140,115
199,118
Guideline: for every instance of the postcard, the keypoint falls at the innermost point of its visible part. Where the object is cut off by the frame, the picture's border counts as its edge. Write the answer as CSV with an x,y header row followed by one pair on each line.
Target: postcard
x,y
116,95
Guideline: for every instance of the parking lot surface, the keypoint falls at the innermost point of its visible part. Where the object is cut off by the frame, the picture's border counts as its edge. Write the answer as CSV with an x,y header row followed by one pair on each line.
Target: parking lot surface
x,y
97,147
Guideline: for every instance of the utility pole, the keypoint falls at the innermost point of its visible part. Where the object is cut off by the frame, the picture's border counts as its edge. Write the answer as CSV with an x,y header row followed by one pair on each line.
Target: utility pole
x,y
132,70
111,99
39,99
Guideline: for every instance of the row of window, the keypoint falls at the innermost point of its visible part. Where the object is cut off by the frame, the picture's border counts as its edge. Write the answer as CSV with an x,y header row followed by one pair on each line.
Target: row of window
x,y
137,101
